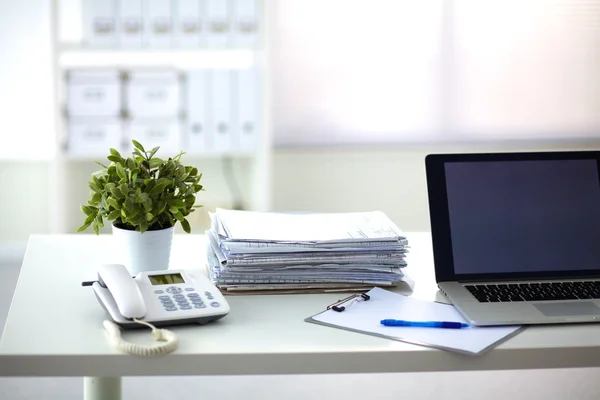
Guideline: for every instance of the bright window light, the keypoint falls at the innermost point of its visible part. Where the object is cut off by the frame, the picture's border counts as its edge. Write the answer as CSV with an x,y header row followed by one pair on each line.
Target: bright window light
x,y
401,71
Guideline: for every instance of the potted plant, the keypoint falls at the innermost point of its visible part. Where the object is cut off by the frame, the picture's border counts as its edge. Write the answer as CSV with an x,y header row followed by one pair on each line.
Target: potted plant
x,y
144,196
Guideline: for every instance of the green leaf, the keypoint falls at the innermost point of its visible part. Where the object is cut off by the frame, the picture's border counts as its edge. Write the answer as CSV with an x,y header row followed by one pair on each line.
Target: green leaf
x,y
138,145
111,171
113,215
160,187
96,197
153,151
121,171
138,218
94,187
156,162
114,152
149,217
129,205
177,203
190,199
89,219
113,203
115,159
161,205
186,226
100,172
142,197
116,192
178,216
124,189
87,210
83,227
95,228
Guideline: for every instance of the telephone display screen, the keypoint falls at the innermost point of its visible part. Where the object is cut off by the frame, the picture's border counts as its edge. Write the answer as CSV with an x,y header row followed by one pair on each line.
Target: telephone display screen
x,y
166,279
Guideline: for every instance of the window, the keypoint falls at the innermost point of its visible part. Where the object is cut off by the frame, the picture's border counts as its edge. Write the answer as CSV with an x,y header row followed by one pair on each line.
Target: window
x,y
393,71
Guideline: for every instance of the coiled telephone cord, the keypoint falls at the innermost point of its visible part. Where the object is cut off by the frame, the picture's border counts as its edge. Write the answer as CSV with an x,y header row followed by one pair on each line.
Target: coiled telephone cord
x,y
171,341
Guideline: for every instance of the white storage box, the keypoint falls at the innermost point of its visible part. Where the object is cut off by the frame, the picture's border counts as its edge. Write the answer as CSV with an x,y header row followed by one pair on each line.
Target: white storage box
x,y
94,93
165,133
93,136
153,94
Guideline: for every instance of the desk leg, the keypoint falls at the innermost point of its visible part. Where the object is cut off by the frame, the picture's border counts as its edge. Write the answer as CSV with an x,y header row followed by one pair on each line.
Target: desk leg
x,y
101,388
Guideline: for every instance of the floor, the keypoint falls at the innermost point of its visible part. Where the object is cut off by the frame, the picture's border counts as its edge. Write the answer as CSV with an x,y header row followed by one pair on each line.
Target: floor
x,y
580,384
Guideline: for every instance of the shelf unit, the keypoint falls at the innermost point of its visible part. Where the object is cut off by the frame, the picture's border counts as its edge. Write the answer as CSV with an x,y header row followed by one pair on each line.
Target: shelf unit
x,y
254,167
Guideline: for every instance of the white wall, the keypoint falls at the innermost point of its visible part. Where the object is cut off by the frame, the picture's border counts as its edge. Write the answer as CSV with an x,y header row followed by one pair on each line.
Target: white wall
x,y
24,197
361,179
26,84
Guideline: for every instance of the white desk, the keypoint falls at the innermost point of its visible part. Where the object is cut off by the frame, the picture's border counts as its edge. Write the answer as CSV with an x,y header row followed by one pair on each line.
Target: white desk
x,y
54,328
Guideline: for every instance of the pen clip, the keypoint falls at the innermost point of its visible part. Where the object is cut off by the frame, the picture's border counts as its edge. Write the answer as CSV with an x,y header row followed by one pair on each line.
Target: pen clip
x,y
337,306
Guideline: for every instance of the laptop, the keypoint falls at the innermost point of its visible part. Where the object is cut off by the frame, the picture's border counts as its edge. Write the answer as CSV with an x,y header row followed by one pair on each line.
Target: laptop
x,y
516,236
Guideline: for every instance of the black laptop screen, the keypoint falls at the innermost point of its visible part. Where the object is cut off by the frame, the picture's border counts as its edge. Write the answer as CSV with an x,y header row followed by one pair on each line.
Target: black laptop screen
x,y
523,216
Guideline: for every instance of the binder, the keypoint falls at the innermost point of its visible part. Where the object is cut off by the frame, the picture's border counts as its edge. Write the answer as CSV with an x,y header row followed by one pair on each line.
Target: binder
x,y
247,128
364,317
197,102
221,111
158,23
99,20
153,94
130,23
189,29
219,23
246,23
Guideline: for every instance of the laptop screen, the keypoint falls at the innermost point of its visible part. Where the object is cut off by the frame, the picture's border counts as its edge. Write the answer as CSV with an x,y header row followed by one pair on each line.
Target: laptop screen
x,y
524,215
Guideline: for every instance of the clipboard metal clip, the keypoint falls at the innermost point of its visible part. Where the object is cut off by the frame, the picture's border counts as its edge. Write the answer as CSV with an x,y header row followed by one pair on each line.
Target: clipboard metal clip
x,y
355,298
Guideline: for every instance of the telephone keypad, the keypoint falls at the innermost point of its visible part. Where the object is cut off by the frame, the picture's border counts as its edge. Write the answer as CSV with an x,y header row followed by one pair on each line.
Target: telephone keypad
x,y
178,301
174,290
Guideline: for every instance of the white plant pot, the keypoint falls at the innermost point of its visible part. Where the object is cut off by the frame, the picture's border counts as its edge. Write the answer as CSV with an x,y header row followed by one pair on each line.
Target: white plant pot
x,y
148,251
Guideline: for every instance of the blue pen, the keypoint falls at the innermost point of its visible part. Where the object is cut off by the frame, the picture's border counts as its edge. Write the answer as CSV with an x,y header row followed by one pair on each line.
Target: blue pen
x,y
424,324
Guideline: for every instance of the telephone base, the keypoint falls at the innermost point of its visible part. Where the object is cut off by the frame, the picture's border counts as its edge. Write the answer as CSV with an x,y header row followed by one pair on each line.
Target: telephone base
x,y
187,321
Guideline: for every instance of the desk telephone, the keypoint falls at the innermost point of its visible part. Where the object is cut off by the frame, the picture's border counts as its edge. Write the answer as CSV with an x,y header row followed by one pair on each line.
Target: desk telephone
x,y
155,298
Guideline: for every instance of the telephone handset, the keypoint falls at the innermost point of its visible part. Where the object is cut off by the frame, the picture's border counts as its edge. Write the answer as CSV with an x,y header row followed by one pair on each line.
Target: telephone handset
x,y
154,299
125,293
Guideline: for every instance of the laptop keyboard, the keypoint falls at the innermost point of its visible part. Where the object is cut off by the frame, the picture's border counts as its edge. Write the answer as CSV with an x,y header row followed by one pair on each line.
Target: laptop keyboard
x,y
535,291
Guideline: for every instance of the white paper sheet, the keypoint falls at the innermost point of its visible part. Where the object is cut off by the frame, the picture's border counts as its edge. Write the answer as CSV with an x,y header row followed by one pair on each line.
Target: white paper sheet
x,y
336,227
365,317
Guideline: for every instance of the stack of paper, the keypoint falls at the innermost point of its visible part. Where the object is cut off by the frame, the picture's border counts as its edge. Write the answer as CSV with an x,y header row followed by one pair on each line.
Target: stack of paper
x,y
249,251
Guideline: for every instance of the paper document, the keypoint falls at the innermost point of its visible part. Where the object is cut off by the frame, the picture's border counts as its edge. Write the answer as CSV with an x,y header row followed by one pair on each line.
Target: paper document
x,y
330,227
335,250
365,317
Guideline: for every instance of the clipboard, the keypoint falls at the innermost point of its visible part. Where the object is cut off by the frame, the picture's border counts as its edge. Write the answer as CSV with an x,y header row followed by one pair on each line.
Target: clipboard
x,y
362,313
